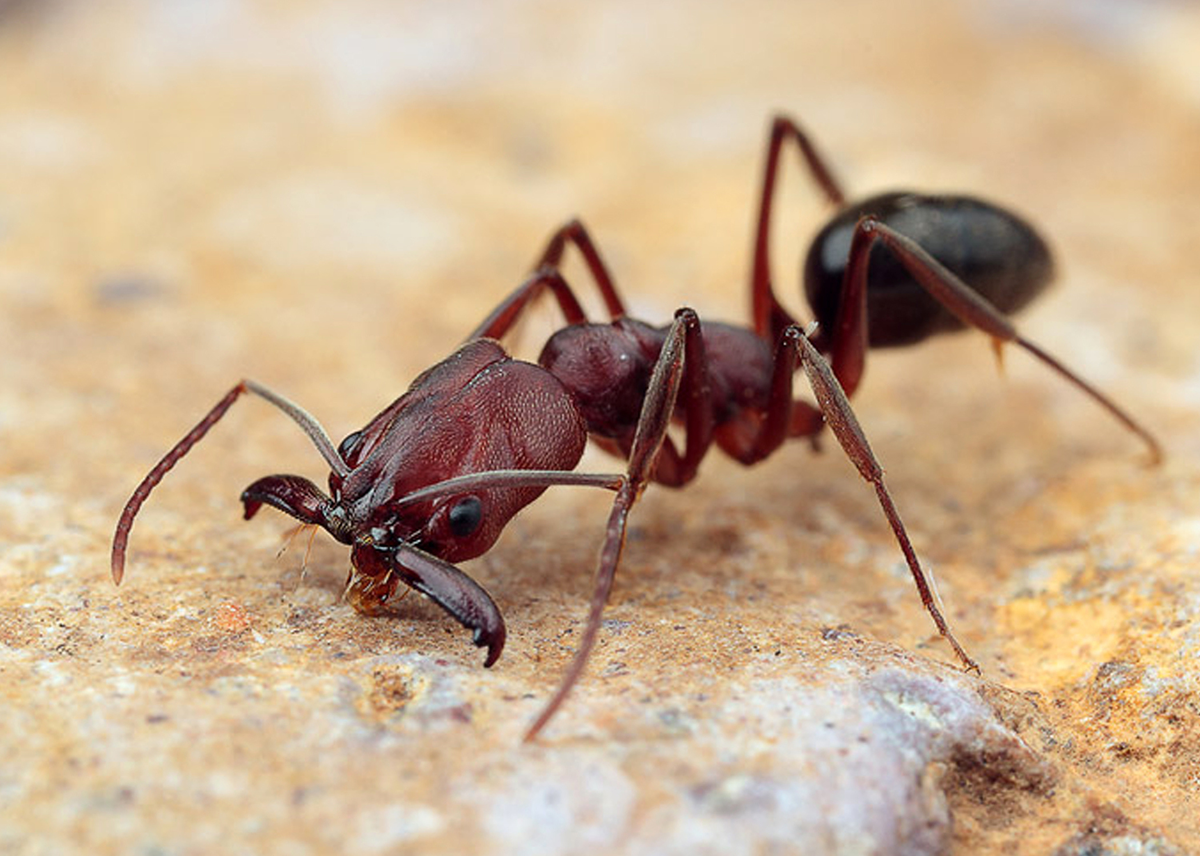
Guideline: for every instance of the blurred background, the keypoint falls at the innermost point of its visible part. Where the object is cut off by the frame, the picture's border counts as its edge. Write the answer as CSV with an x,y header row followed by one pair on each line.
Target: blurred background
x,y
328,196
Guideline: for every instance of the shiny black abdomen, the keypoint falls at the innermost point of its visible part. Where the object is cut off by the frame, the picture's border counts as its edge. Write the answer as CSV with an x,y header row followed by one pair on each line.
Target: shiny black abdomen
x,y
993,251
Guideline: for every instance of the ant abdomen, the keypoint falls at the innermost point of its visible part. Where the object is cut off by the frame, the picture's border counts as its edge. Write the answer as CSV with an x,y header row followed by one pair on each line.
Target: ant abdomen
x,y
992,250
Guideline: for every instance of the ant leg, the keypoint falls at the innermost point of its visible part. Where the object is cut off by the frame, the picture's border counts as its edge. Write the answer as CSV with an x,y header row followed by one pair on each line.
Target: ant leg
x,y
961,300
786,417
546,275
769,317
575,232
504,316
847,341
649,437
671,467
752,436
841,419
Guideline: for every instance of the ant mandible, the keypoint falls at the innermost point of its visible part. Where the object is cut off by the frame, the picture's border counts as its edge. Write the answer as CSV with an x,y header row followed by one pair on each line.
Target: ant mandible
x,y
434,478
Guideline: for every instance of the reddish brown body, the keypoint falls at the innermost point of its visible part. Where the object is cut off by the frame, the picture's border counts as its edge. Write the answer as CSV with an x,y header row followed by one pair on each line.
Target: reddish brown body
x,y
435,477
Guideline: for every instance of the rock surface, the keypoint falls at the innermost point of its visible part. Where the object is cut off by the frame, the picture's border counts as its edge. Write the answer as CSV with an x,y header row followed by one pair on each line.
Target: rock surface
x,y
328,196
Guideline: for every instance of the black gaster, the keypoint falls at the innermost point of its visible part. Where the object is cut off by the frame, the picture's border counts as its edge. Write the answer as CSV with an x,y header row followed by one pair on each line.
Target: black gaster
x,y
995,252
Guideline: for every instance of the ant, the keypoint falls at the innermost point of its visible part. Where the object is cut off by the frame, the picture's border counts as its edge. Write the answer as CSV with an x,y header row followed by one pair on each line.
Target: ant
x,y
434,478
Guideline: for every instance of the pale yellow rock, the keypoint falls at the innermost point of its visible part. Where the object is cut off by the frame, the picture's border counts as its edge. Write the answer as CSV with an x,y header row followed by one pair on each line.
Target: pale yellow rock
x,y
328,196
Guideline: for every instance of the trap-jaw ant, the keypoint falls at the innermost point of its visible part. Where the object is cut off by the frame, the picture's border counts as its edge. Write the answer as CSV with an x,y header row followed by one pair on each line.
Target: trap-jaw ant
x,y
434,478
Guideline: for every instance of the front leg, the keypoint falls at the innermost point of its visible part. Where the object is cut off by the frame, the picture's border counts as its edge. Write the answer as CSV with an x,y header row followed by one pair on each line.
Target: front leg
x,y
575,232
546,275
675,368
503,317
687,361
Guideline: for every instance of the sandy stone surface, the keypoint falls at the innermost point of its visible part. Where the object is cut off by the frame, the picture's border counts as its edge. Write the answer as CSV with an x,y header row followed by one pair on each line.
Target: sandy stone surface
x,y
328,196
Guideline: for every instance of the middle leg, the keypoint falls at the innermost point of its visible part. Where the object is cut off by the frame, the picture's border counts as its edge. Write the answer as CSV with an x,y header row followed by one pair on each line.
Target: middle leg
x,y
769,316
546,275
762,434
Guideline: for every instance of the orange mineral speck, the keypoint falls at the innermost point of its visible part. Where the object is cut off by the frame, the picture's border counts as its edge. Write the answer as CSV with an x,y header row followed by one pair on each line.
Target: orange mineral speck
x,y
231,617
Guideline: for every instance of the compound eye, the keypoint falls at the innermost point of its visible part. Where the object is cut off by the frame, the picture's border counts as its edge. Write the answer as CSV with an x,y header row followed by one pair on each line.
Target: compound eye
x,y
465,516
347,445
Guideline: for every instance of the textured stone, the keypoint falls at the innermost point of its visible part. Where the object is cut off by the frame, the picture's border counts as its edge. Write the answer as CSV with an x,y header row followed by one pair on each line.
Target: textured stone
x,y
328,196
